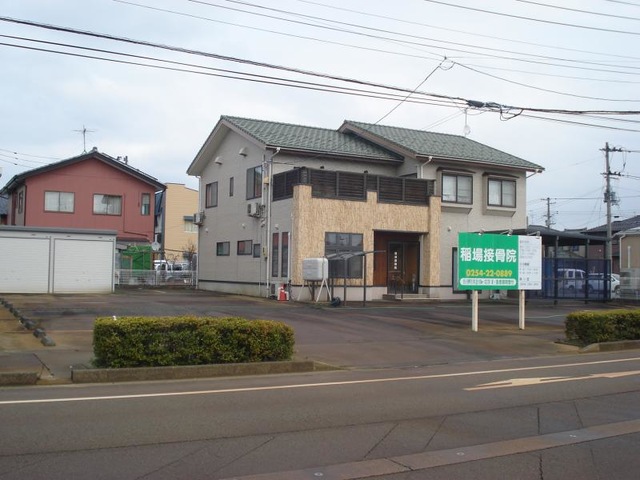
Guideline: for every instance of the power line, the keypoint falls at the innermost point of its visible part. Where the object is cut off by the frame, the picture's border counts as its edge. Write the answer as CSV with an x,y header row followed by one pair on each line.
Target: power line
x,y
493,37
236,75
531,19
397,41
505,111
577,10
527,60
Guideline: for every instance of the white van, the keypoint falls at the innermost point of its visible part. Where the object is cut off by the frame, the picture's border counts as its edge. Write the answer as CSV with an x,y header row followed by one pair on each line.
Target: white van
x,y
164,266
571,279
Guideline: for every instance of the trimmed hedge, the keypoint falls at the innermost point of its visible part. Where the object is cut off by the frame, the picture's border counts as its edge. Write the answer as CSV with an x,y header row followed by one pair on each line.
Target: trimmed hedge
x,y
589,327
169,341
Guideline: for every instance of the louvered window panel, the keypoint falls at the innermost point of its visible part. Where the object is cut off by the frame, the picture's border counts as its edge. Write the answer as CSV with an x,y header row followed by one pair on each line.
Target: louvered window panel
x,y
416,191
390,189
351,185
324,183
283,184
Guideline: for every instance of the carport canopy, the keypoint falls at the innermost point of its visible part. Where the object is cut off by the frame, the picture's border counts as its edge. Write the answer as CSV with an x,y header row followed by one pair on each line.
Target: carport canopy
x,y
556,238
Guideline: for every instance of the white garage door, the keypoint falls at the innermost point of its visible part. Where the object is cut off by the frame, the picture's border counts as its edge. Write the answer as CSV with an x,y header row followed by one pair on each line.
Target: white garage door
x,y
82,266
25,265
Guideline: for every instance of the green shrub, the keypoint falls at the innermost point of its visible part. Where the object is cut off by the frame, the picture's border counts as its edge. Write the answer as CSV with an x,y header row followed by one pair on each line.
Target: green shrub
x,y
588,327
167,341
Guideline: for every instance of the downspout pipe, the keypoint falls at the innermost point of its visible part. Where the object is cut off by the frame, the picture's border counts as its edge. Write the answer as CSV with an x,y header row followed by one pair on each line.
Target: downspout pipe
x,y
420,166
267,169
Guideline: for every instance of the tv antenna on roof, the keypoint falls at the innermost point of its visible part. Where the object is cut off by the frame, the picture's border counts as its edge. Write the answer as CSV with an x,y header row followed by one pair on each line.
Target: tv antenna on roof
x,y
84,132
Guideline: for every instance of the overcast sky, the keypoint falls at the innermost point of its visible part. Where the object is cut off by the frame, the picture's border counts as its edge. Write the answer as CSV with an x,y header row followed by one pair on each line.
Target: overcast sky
x,y
526,59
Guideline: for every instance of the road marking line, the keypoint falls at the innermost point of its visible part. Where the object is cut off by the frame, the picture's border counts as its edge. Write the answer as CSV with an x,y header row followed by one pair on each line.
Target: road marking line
x,y
523,382
311,385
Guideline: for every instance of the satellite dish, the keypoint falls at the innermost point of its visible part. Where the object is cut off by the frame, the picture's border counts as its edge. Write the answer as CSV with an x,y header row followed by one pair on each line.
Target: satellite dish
x,y
155,246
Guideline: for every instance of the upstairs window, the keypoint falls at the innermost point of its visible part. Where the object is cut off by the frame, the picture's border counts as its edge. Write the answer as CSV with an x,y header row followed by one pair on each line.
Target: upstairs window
x,y
59,202
254,183
457,188
502,193
107,204
211,195
145,204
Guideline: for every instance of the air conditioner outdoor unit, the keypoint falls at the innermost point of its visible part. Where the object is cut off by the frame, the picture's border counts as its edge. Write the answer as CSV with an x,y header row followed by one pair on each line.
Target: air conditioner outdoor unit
x,y
254,209
198,218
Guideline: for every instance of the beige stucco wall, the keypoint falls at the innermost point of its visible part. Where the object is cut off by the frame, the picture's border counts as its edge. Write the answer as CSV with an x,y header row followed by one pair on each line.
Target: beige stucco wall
x,y
312,217
180,202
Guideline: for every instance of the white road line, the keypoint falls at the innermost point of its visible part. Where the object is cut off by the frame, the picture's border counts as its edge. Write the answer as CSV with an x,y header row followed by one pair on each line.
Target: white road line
x,y
522,382
311,385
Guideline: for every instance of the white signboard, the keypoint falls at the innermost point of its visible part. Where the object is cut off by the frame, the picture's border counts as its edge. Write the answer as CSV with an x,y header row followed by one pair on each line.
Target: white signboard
x,y
530,263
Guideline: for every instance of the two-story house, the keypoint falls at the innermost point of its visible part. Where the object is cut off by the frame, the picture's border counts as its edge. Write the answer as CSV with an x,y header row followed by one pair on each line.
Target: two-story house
x,y
175,229
90,191
384,203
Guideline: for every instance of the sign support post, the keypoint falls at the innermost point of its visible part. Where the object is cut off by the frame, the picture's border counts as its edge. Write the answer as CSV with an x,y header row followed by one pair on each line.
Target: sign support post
x,y
474,310
521,304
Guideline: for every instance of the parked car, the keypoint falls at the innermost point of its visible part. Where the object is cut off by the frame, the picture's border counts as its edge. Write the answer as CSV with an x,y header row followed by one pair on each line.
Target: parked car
x,y
596,283
571,279
163,265
172,272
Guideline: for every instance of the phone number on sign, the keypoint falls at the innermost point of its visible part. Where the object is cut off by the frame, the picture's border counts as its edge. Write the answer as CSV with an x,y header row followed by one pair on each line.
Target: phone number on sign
x,y
489,273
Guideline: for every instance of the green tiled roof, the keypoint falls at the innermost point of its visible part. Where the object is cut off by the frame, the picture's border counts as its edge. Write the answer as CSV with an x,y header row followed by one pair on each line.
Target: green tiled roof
x,y
442,145
312,139
347,142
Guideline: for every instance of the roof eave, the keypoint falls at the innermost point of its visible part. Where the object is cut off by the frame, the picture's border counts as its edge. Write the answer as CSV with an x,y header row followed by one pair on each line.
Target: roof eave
x,y
333,155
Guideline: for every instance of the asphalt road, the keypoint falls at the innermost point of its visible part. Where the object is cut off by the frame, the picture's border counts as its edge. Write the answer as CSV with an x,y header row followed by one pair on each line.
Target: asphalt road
x,y
571,416
420,396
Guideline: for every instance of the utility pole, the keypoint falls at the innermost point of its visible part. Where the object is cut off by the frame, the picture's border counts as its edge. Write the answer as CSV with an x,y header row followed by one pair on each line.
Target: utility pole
x,y
608,196
548,222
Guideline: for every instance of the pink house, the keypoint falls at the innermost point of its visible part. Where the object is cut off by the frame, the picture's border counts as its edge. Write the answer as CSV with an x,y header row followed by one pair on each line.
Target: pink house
x,y
90,191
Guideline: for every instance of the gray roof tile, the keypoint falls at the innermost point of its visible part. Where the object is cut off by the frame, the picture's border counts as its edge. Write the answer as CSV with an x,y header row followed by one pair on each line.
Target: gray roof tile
x,y
616,226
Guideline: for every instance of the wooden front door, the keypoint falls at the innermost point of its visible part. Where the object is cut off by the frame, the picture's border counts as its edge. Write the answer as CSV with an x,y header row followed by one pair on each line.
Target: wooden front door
x,y
403,267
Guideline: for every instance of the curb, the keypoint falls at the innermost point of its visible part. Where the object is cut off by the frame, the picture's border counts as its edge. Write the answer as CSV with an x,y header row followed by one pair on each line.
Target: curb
x,y
611,346
18,378
113,375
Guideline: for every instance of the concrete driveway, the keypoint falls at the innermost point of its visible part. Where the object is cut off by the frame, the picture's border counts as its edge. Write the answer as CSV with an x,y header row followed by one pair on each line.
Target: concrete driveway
x,y
378,335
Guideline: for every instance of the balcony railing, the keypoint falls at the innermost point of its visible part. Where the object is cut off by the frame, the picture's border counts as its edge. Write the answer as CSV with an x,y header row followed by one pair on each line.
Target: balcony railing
x,y
353,186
